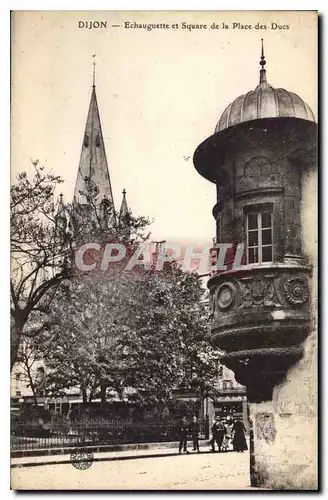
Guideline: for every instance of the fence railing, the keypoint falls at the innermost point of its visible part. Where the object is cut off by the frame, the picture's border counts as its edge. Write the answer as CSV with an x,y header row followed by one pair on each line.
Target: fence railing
x,y
39,436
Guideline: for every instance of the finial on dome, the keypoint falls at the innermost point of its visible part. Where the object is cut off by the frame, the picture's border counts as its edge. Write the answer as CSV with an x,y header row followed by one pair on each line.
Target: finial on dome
x,y
262,64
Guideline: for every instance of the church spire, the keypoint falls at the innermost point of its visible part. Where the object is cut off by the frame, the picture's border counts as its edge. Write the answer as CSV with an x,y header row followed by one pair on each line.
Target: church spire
x,y
61,214
124,210
262,64
93,175
123,219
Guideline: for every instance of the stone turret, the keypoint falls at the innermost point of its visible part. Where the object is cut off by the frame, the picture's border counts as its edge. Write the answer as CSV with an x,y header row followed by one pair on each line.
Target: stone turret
x,y
262,158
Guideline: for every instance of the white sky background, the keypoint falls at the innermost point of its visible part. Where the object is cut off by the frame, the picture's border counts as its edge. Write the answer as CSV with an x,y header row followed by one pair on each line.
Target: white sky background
x,y
160,93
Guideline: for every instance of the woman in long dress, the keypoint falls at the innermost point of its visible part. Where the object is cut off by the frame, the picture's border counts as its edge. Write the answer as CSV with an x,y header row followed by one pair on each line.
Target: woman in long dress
x,y
239,440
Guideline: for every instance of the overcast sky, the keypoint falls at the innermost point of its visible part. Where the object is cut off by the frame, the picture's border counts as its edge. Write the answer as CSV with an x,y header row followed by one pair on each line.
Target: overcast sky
x,y
160,93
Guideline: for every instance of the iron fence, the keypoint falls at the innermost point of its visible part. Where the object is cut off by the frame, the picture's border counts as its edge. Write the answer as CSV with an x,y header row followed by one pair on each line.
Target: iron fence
x,y
36,436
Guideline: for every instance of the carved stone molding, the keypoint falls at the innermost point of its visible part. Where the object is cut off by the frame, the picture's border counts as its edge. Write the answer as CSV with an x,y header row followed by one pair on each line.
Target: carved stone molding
x,y
261,316
296,290
225,295
257,292
269,289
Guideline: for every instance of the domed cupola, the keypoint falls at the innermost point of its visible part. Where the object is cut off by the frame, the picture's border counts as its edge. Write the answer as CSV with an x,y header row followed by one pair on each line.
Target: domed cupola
x,y
262,115
264,102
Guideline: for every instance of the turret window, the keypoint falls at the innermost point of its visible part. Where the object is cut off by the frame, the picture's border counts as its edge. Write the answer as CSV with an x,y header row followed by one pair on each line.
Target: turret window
x,y
259,236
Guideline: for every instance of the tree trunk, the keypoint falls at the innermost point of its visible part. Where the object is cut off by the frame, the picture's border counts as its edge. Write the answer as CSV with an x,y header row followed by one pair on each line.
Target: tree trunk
x,y
84,395
35,399
16,334
103,387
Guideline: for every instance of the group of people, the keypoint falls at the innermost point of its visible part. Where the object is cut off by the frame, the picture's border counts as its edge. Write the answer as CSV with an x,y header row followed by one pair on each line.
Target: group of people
x,y
228,436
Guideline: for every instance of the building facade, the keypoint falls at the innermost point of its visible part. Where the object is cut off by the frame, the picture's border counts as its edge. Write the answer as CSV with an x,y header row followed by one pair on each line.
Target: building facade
x,y
262,158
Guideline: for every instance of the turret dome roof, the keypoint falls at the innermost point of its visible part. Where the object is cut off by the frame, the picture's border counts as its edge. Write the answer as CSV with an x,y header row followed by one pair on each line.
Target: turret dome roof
x,y
264,101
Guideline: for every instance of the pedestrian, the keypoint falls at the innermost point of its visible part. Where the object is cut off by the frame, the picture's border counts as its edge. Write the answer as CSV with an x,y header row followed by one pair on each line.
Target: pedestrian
x,y
212,440
183,432
194,427
239,440
218,432
227,441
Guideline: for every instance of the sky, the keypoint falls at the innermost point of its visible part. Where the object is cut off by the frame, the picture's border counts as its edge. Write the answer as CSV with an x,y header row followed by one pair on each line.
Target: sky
x,y
160,94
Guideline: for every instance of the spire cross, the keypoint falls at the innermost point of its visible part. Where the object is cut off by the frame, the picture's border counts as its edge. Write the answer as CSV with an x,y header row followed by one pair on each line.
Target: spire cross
x,y
262,64
124,192
94,71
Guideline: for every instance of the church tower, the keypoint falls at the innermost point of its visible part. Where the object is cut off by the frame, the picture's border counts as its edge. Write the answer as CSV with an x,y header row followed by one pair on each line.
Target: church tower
x,y
93,190
93,215
262,158
124,219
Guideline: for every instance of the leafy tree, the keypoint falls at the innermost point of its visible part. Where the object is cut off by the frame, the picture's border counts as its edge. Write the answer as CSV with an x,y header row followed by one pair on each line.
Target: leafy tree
x,y
44,236
31,367
139,334
87,352
37,253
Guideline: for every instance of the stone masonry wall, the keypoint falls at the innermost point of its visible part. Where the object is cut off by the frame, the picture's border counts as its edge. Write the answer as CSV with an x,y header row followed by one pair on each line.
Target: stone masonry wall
x,y
285,429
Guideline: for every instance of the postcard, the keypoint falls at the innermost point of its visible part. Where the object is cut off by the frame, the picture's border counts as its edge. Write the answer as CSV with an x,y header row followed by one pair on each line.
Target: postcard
x,y
164,250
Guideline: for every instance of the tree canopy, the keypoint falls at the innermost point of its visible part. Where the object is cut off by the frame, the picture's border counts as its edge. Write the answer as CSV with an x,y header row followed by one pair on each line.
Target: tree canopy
x,y
139,335
44,235
37,252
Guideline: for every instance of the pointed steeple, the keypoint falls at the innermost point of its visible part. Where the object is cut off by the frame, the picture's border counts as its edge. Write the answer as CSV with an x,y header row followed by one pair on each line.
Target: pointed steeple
x,y
124,210
61,215
93,175
123,219
61,210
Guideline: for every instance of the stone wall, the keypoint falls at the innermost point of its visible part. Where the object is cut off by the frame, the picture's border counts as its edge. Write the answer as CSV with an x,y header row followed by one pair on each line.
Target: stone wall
x,y
285,429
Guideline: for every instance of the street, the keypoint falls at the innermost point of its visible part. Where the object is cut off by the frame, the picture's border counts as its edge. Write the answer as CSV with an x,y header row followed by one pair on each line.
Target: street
x,y
204,471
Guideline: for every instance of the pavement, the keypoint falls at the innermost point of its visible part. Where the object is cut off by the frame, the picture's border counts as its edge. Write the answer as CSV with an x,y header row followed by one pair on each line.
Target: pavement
x,y
153,469
129,454
98,448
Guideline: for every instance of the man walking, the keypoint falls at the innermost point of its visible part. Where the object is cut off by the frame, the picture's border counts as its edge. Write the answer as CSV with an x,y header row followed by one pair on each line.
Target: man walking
x,y
194,432
218,431
183,431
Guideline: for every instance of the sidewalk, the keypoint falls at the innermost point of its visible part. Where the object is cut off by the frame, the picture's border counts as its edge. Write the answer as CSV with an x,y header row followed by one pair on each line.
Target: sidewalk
x,y
130,452
195,471
64,450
